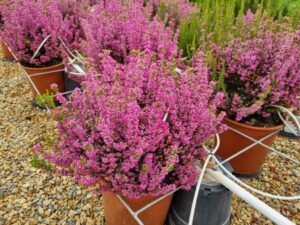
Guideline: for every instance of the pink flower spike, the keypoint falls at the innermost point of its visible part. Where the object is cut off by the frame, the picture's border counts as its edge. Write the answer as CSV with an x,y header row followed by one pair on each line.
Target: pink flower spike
x,y
37,148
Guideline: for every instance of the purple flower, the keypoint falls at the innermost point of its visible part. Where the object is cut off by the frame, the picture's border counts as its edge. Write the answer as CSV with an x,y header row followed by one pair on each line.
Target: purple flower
x,y
53,86
27,23
123,28
37,148
260,70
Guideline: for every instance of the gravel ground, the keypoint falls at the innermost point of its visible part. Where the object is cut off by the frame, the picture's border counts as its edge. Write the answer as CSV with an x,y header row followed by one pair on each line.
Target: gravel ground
x,y
33,196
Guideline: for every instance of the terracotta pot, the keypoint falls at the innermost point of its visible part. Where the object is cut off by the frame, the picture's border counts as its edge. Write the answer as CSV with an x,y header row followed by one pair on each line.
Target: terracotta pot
x,y
43,82
5,51
249,163
116,213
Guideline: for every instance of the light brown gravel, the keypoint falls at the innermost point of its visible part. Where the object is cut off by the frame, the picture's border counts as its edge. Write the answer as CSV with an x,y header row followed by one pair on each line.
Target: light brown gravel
x,y
279,177
29,195
33,196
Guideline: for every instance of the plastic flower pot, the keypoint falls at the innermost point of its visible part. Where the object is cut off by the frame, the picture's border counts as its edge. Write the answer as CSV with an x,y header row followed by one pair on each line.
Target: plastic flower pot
x,y
117,214
70,84
5,51
249,163
43,82
213,205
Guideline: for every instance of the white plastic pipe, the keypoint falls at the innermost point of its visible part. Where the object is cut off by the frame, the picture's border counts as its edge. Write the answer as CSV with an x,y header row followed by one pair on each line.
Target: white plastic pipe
x,y
266,210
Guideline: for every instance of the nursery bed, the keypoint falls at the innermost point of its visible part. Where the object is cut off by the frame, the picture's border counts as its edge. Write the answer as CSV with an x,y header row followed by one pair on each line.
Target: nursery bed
x,y
33,196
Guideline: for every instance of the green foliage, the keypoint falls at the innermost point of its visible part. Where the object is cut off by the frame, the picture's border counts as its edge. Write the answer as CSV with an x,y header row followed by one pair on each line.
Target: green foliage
x,y
189,36
221,20
36,162
215,19
45,99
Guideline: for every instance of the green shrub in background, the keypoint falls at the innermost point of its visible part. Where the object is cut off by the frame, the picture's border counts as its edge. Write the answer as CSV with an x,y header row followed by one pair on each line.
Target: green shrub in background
x,y
215,18
220,20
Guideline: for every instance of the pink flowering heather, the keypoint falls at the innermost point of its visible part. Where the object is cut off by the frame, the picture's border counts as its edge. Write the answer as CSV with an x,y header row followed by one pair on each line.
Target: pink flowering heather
x,y
260,70
31,21
1,21
5,8
37,148
123,26
138,128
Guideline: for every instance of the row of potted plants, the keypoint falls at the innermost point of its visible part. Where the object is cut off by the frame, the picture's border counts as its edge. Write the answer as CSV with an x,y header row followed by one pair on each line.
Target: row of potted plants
x,y
138,125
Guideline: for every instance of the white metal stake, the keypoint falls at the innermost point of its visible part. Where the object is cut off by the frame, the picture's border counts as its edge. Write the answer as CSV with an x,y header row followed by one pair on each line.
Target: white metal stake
x,y
266,210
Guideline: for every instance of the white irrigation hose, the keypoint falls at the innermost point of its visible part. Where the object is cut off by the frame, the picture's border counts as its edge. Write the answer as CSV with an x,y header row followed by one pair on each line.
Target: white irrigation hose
x,y
262,207
210,155
277,197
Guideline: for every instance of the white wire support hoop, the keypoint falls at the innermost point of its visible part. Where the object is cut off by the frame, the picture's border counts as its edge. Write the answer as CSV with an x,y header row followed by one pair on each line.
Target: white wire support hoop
x,y
257,142
79,57
260,141
292,116
40,46
277,197
135,214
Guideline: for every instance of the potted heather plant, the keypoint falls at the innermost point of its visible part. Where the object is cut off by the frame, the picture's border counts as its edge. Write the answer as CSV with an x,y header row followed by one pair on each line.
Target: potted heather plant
x,y
259,69
3,11
137,131
39,25
122,27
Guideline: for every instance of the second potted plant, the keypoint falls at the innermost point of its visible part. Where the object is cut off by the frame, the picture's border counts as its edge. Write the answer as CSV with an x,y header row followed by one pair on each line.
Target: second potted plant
x,y
38,26
256,71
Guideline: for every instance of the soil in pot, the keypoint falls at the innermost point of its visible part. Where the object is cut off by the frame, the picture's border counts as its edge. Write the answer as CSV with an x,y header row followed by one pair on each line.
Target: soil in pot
x,y
43,82
116,213
5,51
249,163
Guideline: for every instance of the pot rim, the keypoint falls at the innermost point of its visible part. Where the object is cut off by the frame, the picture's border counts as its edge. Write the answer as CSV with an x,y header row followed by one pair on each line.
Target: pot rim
x,y
44,67
278,127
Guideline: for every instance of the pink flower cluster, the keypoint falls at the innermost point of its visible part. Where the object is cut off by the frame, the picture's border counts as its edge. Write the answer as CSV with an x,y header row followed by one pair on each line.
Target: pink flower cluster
x,y
4,11
138,128
123,26
261,70
29,22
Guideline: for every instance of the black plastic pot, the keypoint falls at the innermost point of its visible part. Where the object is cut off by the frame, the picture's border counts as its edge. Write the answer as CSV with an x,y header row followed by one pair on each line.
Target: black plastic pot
x,y
70,84
213,205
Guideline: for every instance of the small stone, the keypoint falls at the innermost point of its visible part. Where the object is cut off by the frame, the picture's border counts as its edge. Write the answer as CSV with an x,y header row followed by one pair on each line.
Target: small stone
x,y
49,177
1,193
41,210
78,211
15,173
71,222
